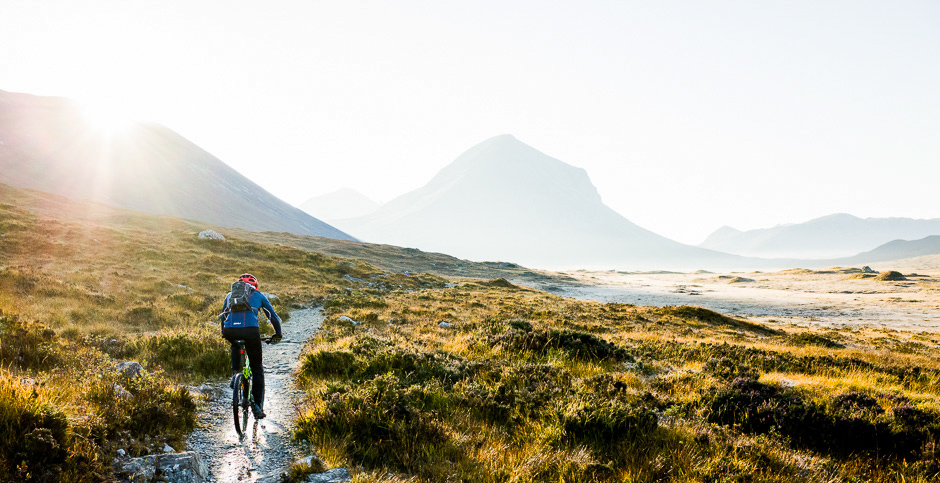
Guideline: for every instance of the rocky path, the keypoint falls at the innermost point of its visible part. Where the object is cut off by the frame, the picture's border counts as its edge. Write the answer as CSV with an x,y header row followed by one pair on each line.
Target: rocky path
x,y
266,447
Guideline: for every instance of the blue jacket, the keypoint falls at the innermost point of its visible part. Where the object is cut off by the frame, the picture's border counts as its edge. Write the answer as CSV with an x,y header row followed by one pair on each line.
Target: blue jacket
x,y
250,318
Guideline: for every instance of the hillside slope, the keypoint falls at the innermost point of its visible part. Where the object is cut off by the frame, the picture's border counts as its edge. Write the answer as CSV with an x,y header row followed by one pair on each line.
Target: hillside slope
x,y
504,200
46,144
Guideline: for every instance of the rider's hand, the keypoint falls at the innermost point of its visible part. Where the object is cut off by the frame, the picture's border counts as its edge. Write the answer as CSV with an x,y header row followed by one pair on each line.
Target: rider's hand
x,y
276,338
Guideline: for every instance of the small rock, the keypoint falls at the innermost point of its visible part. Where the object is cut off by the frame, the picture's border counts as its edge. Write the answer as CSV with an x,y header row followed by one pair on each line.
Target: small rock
x,y
211,235
130,369
120,392
445,325
140,470
168,449
336,475
182,467
121,452
346,318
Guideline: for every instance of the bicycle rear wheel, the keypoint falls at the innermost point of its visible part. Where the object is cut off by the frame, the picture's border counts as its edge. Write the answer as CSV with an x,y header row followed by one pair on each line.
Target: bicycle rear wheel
x,y
240,404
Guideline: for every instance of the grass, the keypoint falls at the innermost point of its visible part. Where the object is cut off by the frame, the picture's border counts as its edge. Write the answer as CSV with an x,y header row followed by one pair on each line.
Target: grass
x,y
83,287
518,385
527,386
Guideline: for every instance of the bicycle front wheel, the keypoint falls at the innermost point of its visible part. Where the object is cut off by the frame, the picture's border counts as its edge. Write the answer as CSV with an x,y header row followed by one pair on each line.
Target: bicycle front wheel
x,y
240,403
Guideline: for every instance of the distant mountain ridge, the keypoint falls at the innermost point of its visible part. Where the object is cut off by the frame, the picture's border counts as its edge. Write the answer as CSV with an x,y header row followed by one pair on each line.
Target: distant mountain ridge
x,y
45,144
833,236
504,200
896,250
343,203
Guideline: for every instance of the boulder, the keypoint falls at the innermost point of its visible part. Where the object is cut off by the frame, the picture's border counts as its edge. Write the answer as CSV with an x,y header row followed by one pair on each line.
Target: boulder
x,y
187,467
211,235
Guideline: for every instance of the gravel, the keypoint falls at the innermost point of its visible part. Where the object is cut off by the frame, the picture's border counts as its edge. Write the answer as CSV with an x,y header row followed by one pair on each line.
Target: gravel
x,y
266,446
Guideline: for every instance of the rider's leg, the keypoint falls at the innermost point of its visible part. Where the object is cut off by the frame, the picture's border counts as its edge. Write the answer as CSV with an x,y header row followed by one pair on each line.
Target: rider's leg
x,y
231,334
253,348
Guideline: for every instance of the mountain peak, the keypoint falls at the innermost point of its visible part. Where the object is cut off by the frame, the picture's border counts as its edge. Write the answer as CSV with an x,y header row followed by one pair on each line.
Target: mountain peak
x,y
505,166
505,200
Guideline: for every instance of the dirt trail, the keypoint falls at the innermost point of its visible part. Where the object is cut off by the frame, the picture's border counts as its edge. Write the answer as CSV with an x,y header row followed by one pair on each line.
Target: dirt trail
x,y
266,446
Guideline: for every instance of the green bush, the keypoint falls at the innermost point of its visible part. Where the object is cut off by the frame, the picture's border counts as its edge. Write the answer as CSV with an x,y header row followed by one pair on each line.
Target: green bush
x,y
850,423
143,405
370,357
807,338
578,345
326,363
511,395
28,346
711,317
603,423
34,435
727,369
383,422
196,352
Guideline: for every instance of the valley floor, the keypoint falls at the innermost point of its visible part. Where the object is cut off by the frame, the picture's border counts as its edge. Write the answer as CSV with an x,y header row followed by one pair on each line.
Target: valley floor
x,y
830,298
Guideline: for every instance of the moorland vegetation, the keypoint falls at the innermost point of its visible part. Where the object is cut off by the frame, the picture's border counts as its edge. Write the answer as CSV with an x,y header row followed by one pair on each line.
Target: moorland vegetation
x,y
84,287
491,382
422,378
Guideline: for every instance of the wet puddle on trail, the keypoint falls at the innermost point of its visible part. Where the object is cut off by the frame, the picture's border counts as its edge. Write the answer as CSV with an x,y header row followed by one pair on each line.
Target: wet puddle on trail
x,y
266,445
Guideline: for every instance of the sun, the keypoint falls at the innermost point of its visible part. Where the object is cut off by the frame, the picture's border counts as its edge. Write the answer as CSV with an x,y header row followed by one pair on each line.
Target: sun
x,y
109,116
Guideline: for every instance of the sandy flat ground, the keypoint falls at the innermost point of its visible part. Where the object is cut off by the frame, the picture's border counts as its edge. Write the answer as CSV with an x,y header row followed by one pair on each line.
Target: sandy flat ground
x,y
825,297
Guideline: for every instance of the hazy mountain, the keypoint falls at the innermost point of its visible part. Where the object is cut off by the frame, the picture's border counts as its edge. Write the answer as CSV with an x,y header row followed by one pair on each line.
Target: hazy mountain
x,y
895,250
46,144
504,200
344,203
839,235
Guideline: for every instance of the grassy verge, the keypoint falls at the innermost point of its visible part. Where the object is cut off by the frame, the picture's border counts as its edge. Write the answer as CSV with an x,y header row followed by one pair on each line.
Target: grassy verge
x,y
84,287
495,383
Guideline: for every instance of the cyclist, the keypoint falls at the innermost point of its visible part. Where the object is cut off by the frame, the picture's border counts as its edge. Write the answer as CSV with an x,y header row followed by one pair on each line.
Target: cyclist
x,y
244,326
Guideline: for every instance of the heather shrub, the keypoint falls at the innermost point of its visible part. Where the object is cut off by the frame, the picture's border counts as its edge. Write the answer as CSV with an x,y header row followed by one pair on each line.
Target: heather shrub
x,y
509,395
603,423
577,345
198,352
28,346
383,422
142,405
727,369
849,423
808,338
34,435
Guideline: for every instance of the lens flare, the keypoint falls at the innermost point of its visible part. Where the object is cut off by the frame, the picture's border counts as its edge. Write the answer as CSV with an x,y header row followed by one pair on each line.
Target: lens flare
x,y
107,116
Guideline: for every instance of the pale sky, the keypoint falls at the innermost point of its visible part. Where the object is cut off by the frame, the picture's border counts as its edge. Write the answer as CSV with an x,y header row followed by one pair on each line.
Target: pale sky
x,y
687,115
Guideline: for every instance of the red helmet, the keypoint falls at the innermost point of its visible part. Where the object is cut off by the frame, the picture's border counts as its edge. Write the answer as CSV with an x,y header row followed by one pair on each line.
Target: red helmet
x,y
249,279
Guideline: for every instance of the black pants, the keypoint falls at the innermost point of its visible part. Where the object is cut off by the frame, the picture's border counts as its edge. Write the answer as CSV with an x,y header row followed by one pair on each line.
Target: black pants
x,y
252,338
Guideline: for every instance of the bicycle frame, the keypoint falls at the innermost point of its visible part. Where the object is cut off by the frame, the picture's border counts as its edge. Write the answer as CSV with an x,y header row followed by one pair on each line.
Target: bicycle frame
x,y
242,388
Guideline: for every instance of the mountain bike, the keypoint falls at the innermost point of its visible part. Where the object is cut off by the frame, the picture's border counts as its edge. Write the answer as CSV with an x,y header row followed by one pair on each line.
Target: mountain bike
x,y
241,388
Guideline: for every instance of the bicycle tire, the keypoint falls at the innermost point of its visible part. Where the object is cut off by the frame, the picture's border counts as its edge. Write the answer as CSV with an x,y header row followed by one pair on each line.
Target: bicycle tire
x,y
240,406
